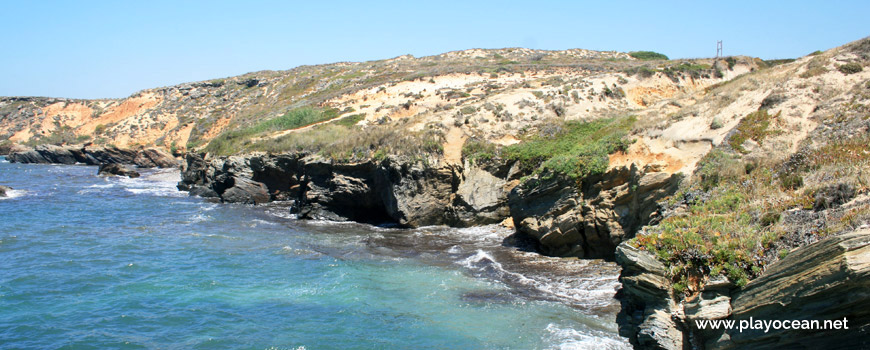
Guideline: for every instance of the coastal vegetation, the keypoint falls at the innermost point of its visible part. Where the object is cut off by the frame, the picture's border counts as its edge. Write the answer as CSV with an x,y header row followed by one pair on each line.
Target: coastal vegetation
x,y
743,214
647,55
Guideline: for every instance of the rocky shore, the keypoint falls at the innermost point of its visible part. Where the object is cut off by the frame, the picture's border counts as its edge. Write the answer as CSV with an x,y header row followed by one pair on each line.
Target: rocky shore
x,y
92,155
564,220
592,219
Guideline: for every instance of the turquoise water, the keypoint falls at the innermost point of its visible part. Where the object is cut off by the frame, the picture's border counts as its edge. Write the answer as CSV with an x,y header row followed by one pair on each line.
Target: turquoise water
x,y
92,263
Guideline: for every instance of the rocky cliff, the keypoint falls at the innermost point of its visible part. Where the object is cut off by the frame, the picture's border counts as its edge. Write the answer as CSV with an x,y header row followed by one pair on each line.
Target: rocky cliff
x,y
93,155
415,193
408,193
773,224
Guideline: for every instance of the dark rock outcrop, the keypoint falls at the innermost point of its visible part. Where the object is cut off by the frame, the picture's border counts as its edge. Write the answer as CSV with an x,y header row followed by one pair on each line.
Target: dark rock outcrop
x,y
589,220
154,158
4,190
647,302
407,192
46,154
90,155
109,169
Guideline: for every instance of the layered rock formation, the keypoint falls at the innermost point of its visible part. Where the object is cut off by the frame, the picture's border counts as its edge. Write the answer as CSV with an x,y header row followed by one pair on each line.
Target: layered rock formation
x,y
828,280
109,169
90,155
566,219
590,220
409,193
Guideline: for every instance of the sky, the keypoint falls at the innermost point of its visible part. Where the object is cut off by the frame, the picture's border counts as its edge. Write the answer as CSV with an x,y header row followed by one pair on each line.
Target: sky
x,y
111,49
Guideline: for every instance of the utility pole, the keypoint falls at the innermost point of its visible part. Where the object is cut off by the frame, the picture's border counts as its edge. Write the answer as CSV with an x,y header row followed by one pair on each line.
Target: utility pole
x,y
719,49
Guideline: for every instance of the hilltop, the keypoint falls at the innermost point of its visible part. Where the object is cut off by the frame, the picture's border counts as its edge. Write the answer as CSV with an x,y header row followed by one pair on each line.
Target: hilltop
x,y
496,95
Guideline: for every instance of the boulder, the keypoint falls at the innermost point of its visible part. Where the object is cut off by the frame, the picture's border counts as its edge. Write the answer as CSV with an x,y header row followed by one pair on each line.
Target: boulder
x,y
99,154
481,197
9,148
408,192
154,158
117,170
245,191
4,190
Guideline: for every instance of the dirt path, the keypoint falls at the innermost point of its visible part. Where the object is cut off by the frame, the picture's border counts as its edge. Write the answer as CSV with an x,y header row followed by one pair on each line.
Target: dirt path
x,y
453,142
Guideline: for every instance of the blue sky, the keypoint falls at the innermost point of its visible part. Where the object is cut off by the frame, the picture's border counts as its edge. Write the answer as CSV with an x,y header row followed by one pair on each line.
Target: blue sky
x,y
93,49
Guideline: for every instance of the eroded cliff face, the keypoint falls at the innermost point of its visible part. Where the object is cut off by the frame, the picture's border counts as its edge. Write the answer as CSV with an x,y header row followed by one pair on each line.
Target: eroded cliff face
x,y
589,220
93,155
565,218
409,193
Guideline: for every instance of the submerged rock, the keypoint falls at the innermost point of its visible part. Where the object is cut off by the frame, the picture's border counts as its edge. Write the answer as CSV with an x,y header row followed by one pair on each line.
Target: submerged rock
x,y
117,170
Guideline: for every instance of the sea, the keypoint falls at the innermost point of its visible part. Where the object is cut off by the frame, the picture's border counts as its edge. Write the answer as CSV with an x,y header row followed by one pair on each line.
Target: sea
x,y
89,262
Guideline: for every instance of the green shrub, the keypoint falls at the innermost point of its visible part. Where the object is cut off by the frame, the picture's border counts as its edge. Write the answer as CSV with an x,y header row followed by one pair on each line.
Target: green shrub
x,y
478,150
468,110
647,55
642,72
233,141
754,126
850,68
790,181
731,61
780,61
573,149
351,120
770,218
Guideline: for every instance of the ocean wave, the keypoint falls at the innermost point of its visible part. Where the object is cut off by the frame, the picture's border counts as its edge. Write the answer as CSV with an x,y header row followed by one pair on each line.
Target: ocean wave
x,y
12,194
483,262
194,219
108,185
592,291
160,182
572,339
489,233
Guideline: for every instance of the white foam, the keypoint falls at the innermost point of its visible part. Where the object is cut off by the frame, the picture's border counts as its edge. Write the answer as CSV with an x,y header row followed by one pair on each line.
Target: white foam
x,y
591,291
11,194
199,218
108,185
161,182
488,233
484,262
572,339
